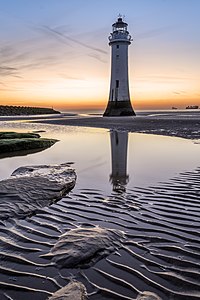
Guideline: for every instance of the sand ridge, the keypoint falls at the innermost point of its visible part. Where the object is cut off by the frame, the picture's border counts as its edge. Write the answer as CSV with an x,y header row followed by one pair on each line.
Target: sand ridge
x,y
183,124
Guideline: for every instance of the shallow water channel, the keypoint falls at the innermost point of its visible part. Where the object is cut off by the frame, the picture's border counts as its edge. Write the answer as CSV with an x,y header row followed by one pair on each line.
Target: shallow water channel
x,y
98,155
144,185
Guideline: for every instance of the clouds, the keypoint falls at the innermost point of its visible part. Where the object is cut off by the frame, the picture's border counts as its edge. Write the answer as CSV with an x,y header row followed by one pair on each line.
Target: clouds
x,y
18,58
46,47
98,57
67,39
8,71
35,51
45,61
151,33
65,76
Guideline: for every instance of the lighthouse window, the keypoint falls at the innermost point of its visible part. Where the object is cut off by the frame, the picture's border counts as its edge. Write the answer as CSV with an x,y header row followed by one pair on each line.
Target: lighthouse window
x,y
117,46
112,94
117,83
117,56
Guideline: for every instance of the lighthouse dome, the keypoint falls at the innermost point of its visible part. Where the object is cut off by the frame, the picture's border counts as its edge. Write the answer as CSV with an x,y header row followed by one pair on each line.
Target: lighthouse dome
x,y
120,25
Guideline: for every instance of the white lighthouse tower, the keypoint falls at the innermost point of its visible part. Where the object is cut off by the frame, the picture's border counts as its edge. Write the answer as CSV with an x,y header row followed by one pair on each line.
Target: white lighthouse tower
x,y
119,98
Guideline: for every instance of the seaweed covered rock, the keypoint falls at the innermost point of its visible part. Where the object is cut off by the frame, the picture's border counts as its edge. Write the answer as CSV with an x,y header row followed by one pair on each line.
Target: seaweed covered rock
x,y
73,291
82,247
14,145
32,187
11,142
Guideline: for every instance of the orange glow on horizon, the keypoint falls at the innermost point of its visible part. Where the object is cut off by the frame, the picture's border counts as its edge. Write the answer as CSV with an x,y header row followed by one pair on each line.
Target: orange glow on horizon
x,y
86,93
100,104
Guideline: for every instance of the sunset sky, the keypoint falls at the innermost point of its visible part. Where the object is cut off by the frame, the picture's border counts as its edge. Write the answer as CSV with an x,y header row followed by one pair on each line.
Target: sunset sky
x,y
56,53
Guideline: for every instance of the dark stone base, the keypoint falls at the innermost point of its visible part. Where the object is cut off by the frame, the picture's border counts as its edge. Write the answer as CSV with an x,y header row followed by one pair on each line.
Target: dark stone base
x,y
119,109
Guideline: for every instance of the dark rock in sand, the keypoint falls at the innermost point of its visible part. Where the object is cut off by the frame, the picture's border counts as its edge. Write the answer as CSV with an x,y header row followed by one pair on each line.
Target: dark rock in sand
x,y
32,187
82,247
38,131
73,291
18,135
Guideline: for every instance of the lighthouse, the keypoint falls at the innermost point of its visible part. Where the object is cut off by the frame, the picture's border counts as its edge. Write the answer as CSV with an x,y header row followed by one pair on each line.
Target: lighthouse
x,y
119,103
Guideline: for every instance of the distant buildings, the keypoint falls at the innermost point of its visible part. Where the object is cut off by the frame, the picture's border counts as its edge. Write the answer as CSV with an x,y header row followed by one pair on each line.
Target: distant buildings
x,y
192,107
188,107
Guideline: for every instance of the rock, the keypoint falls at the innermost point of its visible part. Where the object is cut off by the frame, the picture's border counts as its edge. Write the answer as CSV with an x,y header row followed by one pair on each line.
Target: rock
x,y
38,131
148,296
73,291
32,187
13,145
82,247
11,142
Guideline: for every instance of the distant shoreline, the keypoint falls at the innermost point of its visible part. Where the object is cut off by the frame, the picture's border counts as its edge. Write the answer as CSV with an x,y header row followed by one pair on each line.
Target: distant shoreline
x,y
10,110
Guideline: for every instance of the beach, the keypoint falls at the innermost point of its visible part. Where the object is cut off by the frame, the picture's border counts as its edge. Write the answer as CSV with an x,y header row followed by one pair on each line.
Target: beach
x,y
128,229
184,124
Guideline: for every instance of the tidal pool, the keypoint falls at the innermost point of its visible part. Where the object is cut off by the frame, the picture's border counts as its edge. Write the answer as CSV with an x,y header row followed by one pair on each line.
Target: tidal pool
x,y
103,159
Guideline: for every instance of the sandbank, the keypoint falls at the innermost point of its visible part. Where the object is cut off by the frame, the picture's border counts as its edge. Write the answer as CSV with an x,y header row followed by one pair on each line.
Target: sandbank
x,y
184,124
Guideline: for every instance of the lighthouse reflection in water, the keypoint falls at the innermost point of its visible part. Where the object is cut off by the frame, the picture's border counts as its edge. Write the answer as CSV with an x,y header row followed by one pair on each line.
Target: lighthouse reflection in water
x,y
119,147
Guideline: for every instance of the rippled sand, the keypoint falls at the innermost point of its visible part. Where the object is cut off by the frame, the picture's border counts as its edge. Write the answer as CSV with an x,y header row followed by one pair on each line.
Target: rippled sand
x,y
160,252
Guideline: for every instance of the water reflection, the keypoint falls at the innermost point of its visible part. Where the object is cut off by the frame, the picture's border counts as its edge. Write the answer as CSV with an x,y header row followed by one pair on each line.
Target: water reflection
x,y
119,146
22,152
149,160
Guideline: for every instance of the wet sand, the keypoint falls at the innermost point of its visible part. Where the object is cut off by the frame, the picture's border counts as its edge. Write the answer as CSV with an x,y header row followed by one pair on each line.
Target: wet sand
x,y
185,124
160,252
